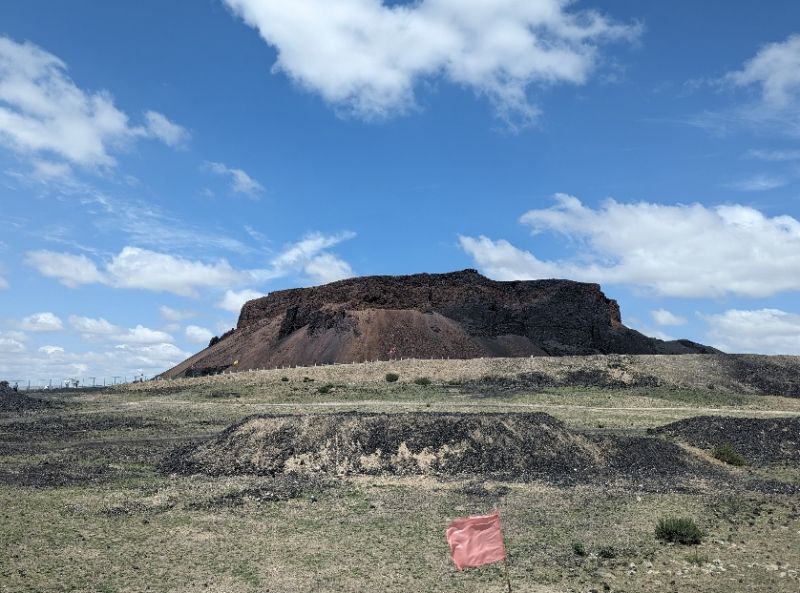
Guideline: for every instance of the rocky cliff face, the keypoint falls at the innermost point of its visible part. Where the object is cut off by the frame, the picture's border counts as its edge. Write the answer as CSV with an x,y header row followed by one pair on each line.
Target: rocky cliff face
x,y
456,315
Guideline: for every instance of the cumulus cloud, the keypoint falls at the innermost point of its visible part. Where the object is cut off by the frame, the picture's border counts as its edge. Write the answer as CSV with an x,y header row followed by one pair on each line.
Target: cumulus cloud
x,y
141,335
327,267
367,57
765,331
134,267
241,182
43,112
90,326
673,250
149,270
12,342
234,299
664,317
69,269
197,334
50,350
775,70
42,322
138,268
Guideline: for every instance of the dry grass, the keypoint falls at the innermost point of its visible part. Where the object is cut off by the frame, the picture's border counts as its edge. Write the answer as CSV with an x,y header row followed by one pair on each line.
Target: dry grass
x,y
129,528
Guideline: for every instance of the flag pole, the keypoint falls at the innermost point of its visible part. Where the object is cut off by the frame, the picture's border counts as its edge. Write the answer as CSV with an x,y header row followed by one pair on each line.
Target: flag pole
x,y
508,577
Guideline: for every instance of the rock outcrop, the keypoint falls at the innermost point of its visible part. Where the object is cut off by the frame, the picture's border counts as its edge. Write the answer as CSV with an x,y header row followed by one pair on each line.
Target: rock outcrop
x,y
455,315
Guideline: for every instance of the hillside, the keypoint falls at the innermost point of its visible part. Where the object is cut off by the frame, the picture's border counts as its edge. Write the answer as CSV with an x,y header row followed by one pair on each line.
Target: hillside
x,y
455,315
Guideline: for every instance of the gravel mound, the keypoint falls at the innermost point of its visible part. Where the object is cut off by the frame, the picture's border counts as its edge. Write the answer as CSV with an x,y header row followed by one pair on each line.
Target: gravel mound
x,y
505,446
758,440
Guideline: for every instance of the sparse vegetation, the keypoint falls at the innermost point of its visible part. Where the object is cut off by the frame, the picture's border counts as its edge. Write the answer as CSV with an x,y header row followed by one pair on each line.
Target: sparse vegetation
x,y
422,381
607,552
392,377
81,483
727,454
327,388
680,530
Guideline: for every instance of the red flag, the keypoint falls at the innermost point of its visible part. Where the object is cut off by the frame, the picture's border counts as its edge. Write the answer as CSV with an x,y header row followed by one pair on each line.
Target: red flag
x,y
475,541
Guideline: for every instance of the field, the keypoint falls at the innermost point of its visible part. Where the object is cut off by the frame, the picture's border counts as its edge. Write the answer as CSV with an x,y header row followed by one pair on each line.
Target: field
x,y
90,502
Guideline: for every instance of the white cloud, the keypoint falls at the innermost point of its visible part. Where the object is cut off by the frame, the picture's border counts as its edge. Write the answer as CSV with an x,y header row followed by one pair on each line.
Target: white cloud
x,y
198,335
139,268
765,331
309,255
50,350
89,326
757,183
673,250
664,317
41,322
327,267
170,133
776,70
149,270
3,283
12,342
43,112
71,270
241,182
171,314
367,57
233,299
141,335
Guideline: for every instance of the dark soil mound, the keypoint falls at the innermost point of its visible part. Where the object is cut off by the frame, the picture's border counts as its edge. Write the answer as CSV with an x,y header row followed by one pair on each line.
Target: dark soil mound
x,y
456,315
15,401
758,440
506,446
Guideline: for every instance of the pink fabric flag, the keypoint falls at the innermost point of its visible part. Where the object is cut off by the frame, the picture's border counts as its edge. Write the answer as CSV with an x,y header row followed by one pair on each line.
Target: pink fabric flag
x,y
475,541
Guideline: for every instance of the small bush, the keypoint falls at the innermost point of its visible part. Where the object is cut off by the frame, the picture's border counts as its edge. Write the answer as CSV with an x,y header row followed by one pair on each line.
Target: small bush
x,y
680,530
422,381
392,377
727,454
284,378
579,549
607,552
307,379
327,388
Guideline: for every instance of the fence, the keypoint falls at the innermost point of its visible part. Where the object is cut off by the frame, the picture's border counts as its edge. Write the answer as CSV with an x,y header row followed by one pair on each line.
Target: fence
x,y
73,382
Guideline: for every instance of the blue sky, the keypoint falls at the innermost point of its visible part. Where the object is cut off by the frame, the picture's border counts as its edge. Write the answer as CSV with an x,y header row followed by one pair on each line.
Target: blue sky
x,y
162,162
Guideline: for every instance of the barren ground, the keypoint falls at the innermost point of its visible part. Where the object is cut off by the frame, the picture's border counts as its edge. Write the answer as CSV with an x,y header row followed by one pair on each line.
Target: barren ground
x,y
85,507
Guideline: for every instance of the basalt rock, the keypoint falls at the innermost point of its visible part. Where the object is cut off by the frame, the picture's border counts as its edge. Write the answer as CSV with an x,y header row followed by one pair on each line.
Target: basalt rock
x,y
455,315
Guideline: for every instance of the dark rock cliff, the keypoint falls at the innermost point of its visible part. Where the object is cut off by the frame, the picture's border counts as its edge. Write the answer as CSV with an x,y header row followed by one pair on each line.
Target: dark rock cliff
x,y
455,315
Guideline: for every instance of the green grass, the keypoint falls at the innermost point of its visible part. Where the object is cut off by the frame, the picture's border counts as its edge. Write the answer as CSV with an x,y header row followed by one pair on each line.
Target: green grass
x,y
680,530
727,454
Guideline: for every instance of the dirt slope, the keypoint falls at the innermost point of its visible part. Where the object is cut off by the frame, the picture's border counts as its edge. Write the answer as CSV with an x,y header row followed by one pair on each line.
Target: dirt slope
x,y
456,315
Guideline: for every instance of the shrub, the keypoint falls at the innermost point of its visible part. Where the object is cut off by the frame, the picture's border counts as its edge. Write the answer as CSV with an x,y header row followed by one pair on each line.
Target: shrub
x,y
579,549
392,377
327,388
284,378
307,379
422,381
213,341
607,552
680,530
727,454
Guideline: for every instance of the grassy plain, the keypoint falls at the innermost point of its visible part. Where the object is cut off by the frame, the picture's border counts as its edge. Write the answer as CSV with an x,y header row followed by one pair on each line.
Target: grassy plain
x,y
83,506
